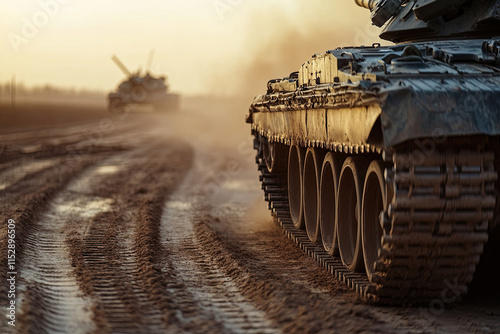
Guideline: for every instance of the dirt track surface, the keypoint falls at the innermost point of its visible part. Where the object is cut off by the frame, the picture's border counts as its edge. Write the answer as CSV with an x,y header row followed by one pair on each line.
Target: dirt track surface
x,y
155,223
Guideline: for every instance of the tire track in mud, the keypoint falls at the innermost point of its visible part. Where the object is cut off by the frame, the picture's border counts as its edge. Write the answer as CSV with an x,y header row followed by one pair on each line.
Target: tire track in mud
x,y
25,200
207,299
50,287
50,299
101,227
291,290
29,181
14,175
115,257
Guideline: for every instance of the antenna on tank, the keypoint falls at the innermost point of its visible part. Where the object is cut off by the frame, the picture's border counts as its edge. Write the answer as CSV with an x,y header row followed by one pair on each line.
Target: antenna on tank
x,y
150,60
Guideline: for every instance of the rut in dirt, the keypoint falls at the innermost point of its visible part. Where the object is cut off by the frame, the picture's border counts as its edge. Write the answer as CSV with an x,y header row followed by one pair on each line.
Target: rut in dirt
x,y
207,299
27,189
100,233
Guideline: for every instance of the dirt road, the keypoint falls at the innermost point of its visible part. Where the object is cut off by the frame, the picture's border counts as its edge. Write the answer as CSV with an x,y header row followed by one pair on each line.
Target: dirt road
x,y
154,223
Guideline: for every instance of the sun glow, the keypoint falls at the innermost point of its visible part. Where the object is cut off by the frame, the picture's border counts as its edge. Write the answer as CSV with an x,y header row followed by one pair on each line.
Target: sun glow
x,y
69,43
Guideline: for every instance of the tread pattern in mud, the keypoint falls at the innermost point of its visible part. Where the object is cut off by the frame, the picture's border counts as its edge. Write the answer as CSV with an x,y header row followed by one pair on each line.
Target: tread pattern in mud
x,y
207,298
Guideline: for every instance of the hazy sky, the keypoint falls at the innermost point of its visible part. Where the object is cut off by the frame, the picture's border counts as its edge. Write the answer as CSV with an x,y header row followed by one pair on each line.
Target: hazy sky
x,y
203,45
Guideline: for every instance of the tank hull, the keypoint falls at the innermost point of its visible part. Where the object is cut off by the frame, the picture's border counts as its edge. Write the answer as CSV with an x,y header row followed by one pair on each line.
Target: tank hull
x,y
410,98
408,146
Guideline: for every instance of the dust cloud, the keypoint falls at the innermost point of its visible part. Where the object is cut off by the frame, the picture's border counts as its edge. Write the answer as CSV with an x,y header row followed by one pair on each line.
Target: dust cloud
x,y
278,42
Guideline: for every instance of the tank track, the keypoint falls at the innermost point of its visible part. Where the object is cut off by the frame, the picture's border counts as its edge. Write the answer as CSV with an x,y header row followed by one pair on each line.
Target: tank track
x,y
437,221
276,194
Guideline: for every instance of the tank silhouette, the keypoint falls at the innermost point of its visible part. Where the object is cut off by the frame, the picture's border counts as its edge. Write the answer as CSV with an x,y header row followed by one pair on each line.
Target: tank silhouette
x,y
142,89
382,161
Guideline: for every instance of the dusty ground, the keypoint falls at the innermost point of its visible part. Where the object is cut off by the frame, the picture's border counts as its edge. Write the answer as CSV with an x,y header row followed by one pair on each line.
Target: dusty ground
x,y
154,222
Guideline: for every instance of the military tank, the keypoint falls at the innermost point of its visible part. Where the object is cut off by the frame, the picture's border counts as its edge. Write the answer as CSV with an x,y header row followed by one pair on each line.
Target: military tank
x,y
142,89
381,162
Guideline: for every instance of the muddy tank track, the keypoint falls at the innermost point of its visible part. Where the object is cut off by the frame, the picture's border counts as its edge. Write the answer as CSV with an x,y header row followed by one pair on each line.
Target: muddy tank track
x,y
435,226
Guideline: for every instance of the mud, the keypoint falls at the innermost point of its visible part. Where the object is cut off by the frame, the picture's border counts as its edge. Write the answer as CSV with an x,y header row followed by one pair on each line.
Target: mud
x,y
155,223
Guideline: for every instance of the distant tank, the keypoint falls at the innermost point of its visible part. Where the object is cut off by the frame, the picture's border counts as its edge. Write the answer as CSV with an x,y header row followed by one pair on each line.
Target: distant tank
x,y
142,90
382,161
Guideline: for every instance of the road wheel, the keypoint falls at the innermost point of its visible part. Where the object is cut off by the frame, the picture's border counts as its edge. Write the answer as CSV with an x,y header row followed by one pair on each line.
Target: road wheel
x,y
310,188
374,204
275,156
328,202
349,202
294,176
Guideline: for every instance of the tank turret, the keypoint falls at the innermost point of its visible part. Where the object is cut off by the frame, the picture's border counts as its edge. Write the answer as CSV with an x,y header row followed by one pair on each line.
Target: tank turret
x,y
142,89
425,20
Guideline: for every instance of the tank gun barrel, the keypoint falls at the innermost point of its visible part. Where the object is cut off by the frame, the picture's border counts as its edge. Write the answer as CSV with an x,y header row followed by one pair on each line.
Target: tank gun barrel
x,y
368,4
150,60
121,66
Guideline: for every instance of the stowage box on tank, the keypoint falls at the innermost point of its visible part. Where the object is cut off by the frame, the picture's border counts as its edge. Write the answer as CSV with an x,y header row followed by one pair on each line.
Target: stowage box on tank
x,y
382,162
